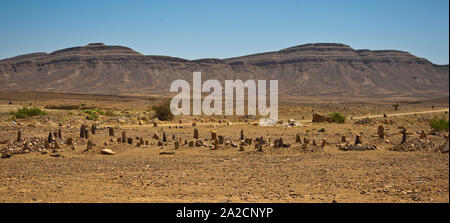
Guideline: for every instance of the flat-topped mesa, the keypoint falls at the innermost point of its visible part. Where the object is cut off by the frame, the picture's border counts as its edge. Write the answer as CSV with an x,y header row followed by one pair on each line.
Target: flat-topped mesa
x,y
326,52
319,69
321,47
97,49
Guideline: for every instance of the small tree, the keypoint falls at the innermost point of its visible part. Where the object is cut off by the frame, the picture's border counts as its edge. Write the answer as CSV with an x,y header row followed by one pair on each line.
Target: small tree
x,y
395,106
162,111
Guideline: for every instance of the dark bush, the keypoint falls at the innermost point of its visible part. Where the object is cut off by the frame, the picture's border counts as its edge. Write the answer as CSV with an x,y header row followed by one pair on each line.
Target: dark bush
x,y
162,111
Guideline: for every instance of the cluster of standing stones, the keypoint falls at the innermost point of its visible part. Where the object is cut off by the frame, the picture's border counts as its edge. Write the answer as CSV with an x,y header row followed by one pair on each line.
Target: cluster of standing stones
x,y
216,140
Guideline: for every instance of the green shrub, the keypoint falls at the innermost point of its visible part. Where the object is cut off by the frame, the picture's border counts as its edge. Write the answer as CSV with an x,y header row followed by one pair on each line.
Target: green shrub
x,y
439,124
93,114
322,130
28,112
337,117
162,111
94,111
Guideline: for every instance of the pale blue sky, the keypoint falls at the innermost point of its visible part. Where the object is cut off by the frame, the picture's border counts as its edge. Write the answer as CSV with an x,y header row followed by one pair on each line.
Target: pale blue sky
x,y
221,29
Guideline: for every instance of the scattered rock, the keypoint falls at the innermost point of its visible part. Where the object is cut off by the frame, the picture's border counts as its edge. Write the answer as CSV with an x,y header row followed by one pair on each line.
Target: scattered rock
x,y
108,152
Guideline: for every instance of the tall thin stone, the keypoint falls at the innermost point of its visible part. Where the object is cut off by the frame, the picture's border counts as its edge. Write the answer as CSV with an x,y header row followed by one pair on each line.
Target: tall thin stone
x,y
403,136
59,134
50,138
242,134
82,131
380,132
124,136
111,131
195,133
19,136
358,140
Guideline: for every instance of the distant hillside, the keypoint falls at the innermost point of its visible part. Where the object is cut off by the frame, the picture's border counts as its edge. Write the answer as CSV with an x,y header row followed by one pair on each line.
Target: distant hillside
x,y
324,69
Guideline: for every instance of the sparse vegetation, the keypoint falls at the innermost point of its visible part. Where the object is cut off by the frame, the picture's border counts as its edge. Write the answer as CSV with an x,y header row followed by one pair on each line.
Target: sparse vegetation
x,y
162,111
337,117
28,112
93,114
439,124
321,130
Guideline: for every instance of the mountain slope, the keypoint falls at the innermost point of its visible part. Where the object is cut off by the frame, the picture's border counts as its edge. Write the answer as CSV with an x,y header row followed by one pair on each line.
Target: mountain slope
x,y
325,69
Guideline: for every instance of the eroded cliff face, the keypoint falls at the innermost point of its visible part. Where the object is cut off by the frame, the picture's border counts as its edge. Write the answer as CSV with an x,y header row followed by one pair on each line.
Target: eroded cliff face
x,y
307,70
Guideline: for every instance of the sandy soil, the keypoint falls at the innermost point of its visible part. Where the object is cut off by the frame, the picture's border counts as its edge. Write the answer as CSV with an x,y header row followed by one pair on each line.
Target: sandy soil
x,y
201,174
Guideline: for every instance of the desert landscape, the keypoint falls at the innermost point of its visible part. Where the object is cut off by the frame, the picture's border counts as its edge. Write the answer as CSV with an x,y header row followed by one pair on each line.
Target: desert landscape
x,y
111,148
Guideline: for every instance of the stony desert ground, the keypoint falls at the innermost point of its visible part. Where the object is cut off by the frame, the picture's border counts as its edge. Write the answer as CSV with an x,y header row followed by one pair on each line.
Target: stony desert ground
x,y
322,169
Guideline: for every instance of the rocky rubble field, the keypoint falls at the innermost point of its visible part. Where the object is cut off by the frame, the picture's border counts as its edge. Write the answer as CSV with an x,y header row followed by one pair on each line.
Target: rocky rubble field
x,y
63,157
